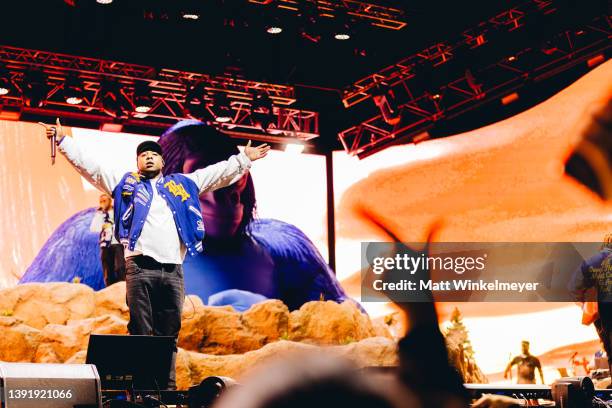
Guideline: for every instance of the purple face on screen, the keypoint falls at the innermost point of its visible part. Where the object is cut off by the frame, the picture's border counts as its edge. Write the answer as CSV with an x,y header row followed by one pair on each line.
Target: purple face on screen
x,y
191,145
222,209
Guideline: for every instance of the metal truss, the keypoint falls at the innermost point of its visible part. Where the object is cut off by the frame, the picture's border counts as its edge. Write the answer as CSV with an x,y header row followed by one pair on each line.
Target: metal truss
x,y
379,16
168,89
443,52
419,112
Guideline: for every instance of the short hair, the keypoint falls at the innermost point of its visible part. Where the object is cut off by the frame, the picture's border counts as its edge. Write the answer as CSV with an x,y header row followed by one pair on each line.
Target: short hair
x,y
189,137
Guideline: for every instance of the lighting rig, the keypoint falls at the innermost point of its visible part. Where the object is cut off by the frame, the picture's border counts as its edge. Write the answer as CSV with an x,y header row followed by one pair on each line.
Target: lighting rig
x,y
314,17
39,85
448,79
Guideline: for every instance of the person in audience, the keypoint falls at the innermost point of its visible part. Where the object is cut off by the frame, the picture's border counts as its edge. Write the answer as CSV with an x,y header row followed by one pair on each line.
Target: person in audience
x,y
313,379
596,273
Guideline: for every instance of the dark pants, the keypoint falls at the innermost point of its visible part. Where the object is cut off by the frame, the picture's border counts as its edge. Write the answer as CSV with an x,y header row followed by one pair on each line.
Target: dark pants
x,y
113,264
155,295
604,328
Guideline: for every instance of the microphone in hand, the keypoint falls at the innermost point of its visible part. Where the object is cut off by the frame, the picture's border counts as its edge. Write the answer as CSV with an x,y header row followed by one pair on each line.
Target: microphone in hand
x,y
52,133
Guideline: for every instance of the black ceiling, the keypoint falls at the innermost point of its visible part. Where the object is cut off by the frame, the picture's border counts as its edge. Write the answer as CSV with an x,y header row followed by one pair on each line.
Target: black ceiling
x,y
151,32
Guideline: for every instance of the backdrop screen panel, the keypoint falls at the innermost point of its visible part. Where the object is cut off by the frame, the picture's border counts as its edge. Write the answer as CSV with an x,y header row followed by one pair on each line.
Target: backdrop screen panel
x,y
38,197
501,183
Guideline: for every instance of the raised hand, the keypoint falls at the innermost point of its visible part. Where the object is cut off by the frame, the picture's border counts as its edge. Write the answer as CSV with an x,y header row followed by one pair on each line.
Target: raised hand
x,y
422,312
50,130
256,153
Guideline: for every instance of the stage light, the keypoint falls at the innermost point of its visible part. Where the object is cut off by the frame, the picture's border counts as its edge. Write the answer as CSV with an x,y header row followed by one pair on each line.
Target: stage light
x,y
508,99
596,60
73,100
142,108
262,111
274,25
222,110
385,100
142,97
274,30
223,117
73,90
436,101
104,1
421,137
4,86
549,48
342,31
511,58
5,81
35,88
191,9
191,16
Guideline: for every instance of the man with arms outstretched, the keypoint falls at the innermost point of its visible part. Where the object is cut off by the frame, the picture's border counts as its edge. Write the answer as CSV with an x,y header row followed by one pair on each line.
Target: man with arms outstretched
x,y
157,219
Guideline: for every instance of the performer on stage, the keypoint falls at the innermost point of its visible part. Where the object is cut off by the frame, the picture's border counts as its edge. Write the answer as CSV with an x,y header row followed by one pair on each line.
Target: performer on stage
x,y
159,219
596,273
111,251
527,364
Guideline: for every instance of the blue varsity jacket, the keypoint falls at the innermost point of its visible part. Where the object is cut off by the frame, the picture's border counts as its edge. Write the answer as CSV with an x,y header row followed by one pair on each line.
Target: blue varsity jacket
x,y
133,200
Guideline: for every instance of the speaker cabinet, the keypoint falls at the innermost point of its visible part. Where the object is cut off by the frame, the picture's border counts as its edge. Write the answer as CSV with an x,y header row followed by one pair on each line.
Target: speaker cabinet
x,y
27,385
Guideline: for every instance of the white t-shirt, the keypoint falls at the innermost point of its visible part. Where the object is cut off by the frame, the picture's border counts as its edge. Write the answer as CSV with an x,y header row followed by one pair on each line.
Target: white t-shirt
x,y
159,223
159,238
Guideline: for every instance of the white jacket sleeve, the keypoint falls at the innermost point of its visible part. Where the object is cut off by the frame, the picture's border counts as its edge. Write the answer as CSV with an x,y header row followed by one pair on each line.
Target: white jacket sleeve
x,y
87,165
221,174
96,222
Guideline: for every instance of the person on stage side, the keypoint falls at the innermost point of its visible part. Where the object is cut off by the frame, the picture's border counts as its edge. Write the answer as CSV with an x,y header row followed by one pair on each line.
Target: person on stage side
x,y
111,251
596,273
